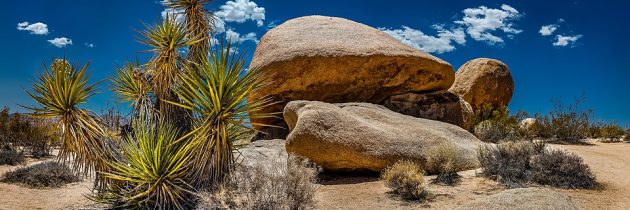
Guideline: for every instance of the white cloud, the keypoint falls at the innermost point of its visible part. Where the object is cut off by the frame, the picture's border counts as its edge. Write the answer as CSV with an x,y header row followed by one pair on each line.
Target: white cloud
x,y
235,37
219,25
548,29
438,44
482,21
90,45
562,41
178,14
35,28
241,10
60,42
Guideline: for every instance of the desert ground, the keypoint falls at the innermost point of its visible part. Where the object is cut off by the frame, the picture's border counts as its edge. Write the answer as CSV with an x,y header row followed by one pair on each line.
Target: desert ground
x,y
609,161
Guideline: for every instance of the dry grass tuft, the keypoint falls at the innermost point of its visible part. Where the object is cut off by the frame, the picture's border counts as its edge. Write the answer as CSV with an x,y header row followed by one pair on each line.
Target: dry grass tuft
x,y
45,174
406,179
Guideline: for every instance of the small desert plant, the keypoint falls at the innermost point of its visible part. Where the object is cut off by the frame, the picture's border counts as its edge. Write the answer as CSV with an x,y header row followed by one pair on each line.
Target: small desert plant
x,y
445,161
561,169
406,179
281,184
494,124
508,161
491,131
10,157
45,174
627,136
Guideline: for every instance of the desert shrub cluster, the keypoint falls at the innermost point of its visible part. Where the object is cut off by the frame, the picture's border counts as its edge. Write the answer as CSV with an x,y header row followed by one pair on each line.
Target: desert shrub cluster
x,y
276,185
405,179
26,135
44,174
515,164
567,124
445,161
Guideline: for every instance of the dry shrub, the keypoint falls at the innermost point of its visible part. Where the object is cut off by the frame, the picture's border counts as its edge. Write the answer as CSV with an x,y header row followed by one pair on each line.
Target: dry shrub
x,y
445,161
517,163
45,174
10,157
280,185
561,169
627,136
406,179
508,161
491,131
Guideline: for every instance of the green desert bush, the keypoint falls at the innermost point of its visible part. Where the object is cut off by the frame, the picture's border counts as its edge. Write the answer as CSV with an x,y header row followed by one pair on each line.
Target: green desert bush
x,y
10,157
445,161
281,184
45,174
567,124
496,124
561,169
610,132
627,135
405,179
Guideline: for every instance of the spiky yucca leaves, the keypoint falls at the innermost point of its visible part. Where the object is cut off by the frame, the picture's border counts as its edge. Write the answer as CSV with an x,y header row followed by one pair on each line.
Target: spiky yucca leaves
x,y
199,24
59,91
167,39
154,169
215,91
132,86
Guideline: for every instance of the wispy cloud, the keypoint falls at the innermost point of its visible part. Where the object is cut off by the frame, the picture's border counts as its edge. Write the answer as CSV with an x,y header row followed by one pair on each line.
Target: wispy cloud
x,y
441,43
562,41
90,45
35,28
60,42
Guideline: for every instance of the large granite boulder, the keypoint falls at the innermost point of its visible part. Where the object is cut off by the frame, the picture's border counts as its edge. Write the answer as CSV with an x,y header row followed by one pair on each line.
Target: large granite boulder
x,y
440,105
522,199
335,60
368,137
484,81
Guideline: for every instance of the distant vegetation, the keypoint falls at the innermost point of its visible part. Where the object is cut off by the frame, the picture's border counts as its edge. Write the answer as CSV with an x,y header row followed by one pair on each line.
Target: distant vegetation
x,y
569,124
22,135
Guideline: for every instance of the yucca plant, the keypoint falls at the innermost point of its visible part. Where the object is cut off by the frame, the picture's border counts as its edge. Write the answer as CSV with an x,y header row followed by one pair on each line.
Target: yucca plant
x,y
154,168
132,87
199,24
166,39
215,91
59,92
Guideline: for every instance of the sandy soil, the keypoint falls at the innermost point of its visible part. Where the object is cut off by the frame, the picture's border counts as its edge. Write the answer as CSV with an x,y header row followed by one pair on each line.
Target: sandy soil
x,y
611,164
609,161
70,196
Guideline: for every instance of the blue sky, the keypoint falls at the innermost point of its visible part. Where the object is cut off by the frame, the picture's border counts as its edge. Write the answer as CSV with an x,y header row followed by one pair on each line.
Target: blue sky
x,y
582,49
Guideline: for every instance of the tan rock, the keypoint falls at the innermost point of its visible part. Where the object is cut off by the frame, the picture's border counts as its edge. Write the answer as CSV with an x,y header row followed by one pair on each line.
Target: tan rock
x,y
484,81
442,106
362,136
522,199
333,59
